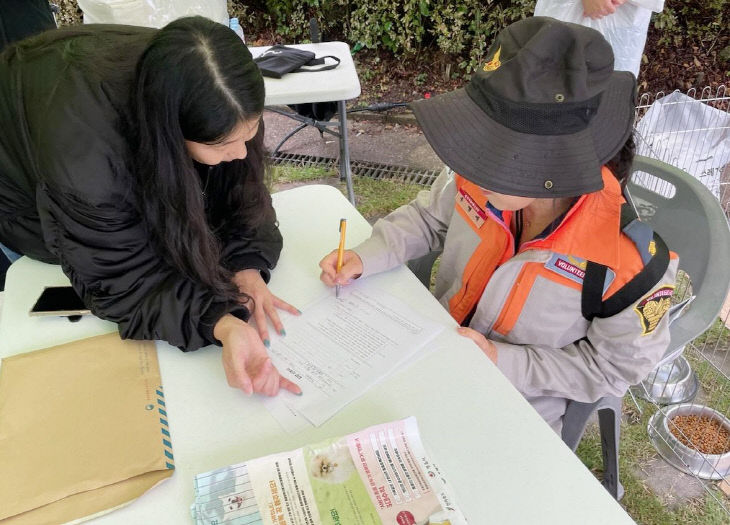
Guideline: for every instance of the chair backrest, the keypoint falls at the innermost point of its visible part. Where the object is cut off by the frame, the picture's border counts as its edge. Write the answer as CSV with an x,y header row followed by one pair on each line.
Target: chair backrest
x,y
691,221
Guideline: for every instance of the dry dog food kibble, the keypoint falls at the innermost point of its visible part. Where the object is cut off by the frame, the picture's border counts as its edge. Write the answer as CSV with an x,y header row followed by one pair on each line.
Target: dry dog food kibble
x,y
702,433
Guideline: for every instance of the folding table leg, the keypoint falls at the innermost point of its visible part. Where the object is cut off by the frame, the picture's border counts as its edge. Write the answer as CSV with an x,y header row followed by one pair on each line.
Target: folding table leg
x,y
345,172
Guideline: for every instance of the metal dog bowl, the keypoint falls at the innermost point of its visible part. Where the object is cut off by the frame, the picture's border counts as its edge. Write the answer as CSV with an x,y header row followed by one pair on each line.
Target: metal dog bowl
x,y
670,383
705,466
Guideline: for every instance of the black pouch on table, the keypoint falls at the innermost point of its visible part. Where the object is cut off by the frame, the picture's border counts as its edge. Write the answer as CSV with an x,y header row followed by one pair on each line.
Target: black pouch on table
x,y
279,60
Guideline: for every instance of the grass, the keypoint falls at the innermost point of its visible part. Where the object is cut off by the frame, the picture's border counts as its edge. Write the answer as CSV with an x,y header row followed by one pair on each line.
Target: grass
x,y
715,388
683,287
284,173
717,336
376,198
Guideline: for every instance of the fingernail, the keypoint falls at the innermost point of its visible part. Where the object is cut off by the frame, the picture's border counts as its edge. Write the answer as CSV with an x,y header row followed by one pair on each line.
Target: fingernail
x,y
282,331
298,310
267,343
300,393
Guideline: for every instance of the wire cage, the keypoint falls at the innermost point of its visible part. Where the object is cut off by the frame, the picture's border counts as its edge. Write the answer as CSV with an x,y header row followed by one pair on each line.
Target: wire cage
x,y
690,394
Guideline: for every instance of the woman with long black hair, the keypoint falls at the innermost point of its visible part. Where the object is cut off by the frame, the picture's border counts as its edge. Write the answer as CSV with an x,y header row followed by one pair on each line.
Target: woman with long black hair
x,y
134,158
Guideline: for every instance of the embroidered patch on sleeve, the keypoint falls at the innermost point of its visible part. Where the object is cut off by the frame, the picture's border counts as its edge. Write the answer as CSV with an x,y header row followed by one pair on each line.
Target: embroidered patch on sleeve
x,y
574,268
652,308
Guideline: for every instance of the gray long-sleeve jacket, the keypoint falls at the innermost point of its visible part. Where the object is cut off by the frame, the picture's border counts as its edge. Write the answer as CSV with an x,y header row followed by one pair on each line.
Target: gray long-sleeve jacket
x,y
529,302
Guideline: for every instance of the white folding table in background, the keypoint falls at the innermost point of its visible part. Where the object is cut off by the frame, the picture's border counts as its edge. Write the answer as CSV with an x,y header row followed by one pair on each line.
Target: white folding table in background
x,y
334,85
502,462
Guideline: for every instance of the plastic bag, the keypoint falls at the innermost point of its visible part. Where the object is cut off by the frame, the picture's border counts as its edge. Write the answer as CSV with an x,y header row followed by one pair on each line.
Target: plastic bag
x,y
150,13
653,5
625,29
689,134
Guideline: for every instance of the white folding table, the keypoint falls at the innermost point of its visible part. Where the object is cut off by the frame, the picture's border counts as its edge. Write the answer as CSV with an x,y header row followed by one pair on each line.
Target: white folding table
x,y
502,462
334,85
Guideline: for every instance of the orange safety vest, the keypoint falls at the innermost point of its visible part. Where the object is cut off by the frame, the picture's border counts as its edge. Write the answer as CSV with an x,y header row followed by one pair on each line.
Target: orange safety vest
x,y
590,230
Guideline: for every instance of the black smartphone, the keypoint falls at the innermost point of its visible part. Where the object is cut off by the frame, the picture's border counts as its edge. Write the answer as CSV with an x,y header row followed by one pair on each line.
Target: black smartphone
x,y
59,300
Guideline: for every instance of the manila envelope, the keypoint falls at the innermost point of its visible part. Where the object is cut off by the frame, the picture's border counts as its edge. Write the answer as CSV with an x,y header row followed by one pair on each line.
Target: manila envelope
x,y
83,430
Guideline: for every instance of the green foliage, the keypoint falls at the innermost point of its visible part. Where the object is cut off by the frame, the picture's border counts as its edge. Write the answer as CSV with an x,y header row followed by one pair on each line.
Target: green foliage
x,y
699,21
290,19
462,30
396,26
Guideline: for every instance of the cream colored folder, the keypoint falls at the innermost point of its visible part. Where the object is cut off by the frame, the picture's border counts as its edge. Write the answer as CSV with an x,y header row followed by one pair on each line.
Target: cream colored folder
x,y
83,430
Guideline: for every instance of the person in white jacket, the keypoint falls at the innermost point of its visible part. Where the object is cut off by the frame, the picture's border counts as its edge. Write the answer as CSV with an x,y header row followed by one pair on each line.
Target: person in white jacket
x,y
624,23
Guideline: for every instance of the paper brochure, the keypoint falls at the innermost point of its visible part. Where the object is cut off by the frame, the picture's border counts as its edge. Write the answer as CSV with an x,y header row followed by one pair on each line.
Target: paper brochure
x,y
378,475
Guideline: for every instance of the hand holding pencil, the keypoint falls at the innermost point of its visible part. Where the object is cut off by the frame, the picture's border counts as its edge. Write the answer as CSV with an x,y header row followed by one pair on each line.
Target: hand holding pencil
x,y
340,266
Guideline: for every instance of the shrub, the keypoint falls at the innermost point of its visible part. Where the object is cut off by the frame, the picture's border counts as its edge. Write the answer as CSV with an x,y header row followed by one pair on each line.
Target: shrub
x,y
462,30
699,21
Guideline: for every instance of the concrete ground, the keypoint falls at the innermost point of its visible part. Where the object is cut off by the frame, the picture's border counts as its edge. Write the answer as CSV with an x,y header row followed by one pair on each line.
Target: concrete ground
x,y
399,141
370,140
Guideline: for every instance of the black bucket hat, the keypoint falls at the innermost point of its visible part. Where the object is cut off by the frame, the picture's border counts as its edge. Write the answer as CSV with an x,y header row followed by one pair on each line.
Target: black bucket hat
x,y
540,118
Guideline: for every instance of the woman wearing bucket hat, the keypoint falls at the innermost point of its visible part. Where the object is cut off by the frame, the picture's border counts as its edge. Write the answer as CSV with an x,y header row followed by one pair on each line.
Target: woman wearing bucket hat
x,y
541,265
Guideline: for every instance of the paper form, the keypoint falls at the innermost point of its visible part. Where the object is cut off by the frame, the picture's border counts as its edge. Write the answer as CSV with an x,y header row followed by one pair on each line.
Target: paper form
x,y
289,419
338,348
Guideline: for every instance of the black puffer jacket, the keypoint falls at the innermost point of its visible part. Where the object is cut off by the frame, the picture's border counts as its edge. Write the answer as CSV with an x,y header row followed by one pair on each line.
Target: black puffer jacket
x,y
66,191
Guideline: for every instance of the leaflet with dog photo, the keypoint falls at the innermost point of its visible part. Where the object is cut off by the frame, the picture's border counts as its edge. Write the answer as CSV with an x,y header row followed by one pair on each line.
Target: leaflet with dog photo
x,y
378,475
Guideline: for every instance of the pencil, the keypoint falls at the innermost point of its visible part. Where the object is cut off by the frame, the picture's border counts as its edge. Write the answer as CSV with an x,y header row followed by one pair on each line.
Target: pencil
x,y
341,252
